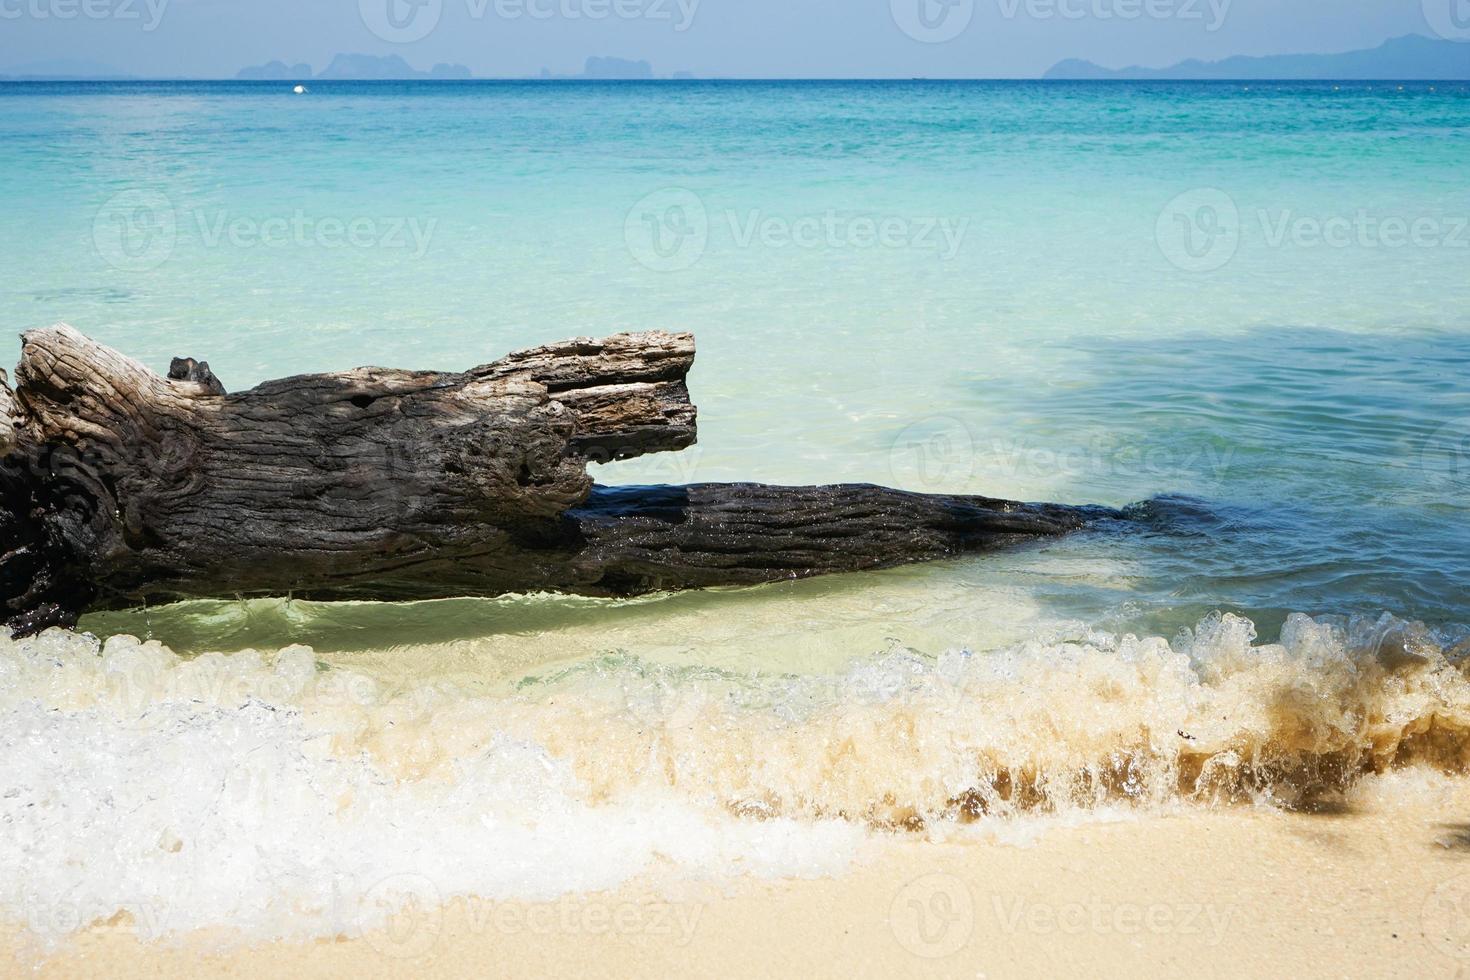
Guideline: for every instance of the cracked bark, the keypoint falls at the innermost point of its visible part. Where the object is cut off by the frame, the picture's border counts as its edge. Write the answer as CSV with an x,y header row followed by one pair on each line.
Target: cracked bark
x,y
119,486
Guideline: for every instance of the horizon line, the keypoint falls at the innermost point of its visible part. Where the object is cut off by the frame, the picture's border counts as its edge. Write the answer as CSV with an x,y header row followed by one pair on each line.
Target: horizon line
x,y
537,80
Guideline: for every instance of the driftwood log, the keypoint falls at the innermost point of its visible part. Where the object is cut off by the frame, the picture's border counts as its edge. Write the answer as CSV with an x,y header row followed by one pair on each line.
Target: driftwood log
x,y
120,487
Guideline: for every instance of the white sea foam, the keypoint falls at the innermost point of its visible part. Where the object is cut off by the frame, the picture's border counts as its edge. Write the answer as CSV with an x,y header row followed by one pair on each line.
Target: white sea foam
x,y
239,793
277,797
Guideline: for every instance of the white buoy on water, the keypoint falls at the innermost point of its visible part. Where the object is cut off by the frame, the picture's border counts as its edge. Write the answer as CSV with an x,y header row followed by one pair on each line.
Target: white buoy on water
x,y
299,90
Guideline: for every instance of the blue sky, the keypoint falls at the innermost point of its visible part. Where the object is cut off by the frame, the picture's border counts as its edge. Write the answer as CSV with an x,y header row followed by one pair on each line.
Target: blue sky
x,y
743,38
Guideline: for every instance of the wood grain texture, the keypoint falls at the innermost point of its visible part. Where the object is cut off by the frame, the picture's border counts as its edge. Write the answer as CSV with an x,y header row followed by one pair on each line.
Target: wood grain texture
x,y
8,415
119,486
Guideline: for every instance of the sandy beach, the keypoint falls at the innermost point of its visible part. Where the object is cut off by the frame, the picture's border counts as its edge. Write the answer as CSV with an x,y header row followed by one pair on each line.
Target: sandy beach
x,y
809,496
1364,887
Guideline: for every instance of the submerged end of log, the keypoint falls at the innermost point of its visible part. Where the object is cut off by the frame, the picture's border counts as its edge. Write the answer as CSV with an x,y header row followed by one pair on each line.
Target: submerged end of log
x,y
638,540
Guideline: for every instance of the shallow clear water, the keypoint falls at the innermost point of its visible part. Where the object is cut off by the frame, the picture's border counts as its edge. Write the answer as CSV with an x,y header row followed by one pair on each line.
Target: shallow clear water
x,y
1312,395
1250,303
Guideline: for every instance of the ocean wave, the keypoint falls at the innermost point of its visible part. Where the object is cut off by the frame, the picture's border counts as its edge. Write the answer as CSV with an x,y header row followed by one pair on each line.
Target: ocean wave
x,y
278,796
905,740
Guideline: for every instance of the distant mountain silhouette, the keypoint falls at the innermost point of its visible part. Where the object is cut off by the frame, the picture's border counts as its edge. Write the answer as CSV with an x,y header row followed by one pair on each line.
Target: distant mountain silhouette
x,y
275,71
367,66
352,67
621,69
617,68
356,67
63,70
1410,57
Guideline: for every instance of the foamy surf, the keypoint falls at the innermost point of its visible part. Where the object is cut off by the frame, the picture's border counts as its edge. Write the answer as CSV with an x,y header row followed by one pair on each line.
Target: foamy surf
x,y
274,796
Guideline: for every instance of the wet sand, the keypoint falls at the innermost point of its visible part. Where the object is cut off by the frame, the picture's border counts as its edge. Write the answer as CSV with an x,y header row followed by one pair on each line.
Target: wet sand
x,y
1364,888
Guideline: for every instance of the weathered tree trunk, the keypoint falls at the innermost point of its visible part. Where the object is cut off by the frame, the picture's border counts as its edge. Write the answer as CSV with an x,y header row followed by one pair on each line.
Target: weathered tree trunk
x,y
119,486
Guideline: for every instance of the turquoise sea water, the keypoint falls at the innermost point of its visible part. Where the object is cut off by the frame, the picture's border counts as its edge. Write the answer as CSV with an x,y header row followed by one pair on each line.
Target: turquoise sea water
x,y
1078,292
1248,305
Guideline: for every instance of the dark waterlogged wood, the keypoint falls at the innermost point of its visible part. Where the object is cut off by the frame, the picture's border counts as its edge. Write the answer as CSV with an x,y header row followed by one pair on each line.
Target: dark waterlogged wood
x,y
119,486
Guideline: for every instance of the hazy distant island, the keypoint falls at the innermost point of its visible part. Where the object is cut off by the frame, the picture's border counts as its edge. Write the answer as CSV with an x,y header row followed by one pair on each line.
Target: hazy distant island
x,y
1412,56
274,71
608,68
1409,57
64,70
352,67
367,67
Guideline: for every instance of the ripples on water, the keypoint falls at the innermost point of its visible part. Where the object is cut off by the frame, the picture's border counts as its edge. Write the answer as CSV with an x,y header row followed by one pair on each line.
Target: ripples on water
x,y
1297,422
